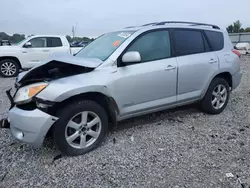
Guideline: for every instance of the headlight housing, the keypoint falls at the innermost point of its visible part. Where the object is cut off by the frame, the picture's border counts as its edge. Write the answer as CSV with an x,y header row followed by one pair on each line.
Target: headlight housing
x,y
25,94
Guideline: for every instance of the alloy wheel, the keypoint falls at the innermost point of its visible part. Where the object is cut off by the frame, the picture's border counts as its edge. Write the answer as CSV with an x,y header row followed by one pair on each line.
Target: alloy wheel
x,y
219,96
8,68
83,129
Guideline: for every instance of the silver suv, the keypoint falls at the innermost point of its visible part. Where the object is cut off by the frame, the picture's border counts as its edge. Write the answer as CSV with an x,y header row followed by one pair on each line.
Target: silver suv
x,y
123,74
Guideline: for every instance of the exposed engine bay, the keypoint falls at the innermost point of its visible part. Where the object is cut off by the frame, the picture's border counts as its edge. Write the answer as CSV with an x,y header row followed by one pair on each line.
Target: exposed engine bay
x,y
57,66
51,71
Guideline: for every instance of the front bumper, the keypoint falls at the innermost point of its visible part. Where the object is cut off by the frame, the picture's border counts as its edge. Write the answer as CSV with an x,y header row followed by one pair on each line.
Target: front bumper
x,y
30,126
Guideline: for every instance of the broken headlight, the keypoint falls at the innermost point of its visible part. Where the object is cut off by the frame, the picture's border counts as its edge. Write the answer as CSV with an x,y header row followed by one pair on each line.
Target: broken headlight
x,y
25,94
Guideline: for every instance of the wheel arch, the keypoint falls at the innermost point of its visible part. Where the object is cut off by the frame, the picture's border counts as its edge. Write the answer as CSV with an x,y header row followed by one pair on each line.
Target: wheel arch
x,y
12,58
108,103
225,75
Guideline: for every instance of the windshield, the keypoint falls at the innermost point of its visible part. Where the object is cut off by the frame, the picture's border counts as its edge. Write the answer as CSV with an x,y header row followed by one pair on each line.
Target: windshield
x,y
105,45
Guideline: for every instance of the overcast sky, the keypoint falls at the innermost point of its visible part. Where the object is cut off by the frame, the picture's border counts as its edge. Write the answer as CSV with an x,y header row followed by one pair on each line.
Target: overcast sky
x,y
95,17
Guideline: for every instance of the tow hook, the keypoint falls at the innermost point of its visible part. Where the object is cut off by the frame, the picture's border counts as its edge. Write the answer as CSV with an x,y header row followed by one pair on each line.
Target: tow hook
x,y
4,124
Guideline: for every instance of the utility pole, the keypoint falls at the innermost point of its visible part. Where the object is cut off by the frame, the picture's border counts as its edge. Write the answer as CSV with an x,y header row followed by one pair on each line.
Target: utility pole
x,y
74,31
75,27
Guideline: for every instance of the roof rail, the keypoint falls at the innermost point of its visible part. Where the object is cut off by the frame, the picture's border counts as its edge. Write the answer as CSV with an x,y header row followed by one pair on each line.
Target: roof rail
x,y
153,23
130,27
192,23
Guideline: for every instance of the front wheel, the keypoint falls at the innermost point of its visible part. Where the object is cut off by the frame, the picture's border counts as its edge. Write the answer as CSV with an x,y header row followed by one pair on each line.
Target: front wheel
x,y
9,68
216,98
81,127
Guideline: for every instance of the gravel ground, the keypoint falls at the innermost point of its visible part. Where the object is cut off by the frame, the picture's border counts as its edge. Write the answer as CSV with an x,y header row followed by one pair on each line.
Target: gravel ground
x,y
178,148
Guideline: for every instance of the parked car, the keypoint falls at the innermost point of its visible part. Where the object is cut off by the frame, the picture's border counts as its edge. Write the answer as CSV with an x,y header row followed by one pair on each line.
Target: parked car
x,y
243,48
75,44
120,75
83,43
79,44
31,52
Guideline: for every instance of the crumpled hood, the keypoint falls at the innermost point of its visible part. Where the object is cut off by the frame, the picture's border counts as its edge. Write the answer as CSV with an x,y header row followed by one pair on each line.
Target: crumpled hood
x,y
68,58
57,66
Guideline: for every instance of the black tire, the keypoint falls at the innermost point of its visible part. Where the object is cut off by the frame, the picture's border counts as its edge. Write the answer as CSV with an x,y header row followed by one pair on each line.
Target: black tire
x,y
65,116
206,103
12,62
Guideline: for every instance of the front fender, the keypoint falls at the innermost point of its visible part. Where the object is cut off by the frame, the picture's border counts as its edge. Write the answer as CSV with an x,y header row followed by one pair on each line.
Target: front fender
x,y
10,51
61,92
82,90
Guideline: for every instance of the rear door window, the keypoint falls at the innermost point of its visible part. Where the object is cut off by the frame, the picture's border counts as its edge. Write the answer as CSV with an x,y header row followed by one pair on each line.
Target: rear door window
x,y
216,40
188,42
54,42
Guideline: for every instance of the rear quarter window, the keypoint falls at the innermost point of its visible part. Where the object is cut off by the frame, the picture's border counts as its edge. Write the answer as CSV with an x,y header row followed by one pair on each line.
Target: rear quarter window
x,y
215,39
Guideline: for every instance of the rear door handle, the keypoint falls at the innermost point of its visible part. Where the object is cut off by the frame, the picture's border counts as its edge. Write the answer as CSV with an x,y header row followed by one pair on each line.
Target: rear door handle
x,y
170,67
212,61
45,50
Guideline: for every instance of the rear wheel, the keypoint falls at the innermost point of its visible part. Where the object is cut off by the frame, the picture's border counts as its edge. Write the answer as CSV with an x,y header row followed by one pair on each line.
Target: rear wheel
x,y
217,96
81,127
9,68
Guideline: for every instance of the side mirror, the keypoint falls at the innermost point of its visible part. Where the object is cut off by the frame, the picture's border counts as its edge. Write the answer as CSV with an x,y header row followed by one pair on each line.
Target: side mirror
x,y
27,45
131,57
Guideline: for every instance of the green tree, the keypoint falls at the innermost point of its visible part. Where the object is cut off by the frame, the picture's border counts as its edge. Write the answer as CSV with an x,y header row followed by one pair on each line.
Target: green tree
x,y
4,36
86,39
230,29
14,38
78,39
236,26
242,30
247,29
69,38
17,38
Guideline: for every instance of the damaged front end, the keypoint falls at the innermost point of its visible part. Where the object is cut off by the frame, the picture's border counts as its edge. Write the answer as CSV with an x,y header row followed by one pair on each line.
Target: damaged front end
x,y
29,84
30,118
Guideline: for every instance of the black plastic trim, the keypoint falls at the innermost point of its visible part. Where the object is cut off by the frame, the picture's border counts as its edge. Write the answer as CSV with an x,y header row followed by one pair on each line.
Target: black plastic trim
x,y
12,104
50,103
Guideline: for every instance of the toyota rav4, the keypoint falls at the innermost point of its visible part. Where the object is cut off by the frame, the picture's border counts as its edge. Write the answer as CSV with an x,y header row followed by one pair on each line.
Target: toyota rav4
x,y
123,74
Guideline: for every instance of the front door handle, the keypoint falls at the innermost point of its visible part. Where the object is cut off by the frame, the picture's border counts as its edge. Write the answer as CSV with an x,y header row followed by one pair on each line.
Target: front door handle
x,y
170,67
45,50
212,61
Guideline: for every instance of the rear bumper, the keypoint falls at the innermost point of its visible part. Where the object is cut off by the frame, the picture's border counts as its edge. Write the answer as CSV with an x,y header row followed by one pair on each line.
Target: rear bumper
x,y
30,126
236,78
